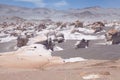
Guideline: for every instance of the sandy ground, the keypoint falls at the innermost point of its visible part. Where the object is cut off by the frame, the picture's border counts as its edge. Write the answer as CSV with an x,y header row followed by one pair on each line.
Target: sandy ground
x,y
27,61
40,70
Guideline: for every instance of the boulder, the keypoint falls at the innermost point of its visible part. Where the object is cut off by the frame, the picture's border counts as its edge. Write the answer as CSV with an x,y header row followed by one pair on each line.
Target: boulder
x,y
22,41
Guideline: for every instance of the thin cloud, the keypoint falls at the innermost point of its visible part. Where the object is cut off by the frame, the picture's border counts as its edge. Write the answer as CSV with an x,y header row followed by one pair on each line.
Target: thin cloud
x,y
38,3
60,3
44,3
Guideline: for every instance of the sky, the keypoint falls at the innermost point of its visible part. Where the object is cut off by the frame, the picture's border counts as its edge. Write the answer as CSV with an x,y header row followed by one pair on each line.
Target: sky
x,y
63,4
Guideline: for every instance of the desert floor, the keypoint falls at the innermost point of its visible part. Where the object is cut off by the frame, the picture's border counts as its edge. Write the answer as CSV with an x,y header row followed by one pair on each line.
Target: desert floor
x,y
102,64
41,68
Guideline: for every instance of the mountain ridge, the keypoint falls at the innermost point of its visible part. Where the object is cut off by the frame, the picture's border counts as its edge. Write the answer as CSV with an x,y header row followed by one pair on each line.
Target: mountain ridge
x,y
88,13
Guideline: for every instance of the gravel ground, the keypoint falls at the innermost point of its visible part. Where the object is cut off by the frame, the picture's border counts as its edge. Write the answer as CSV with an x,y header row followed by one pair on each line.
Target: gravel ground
x,y
7,46
100,52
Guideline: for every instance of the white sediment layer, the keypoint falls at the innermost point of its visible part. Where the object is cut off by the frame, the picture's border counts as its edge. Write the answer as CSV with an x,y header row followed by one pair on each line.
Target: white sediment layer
x,y
7,39
78,36
76,59
57,48
91,76
34,49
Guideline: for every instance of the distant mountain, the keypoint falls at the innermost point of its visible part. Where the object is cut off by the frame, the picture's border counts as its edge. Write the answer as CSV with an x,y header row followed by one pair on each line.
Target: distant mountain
x,y
85,14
